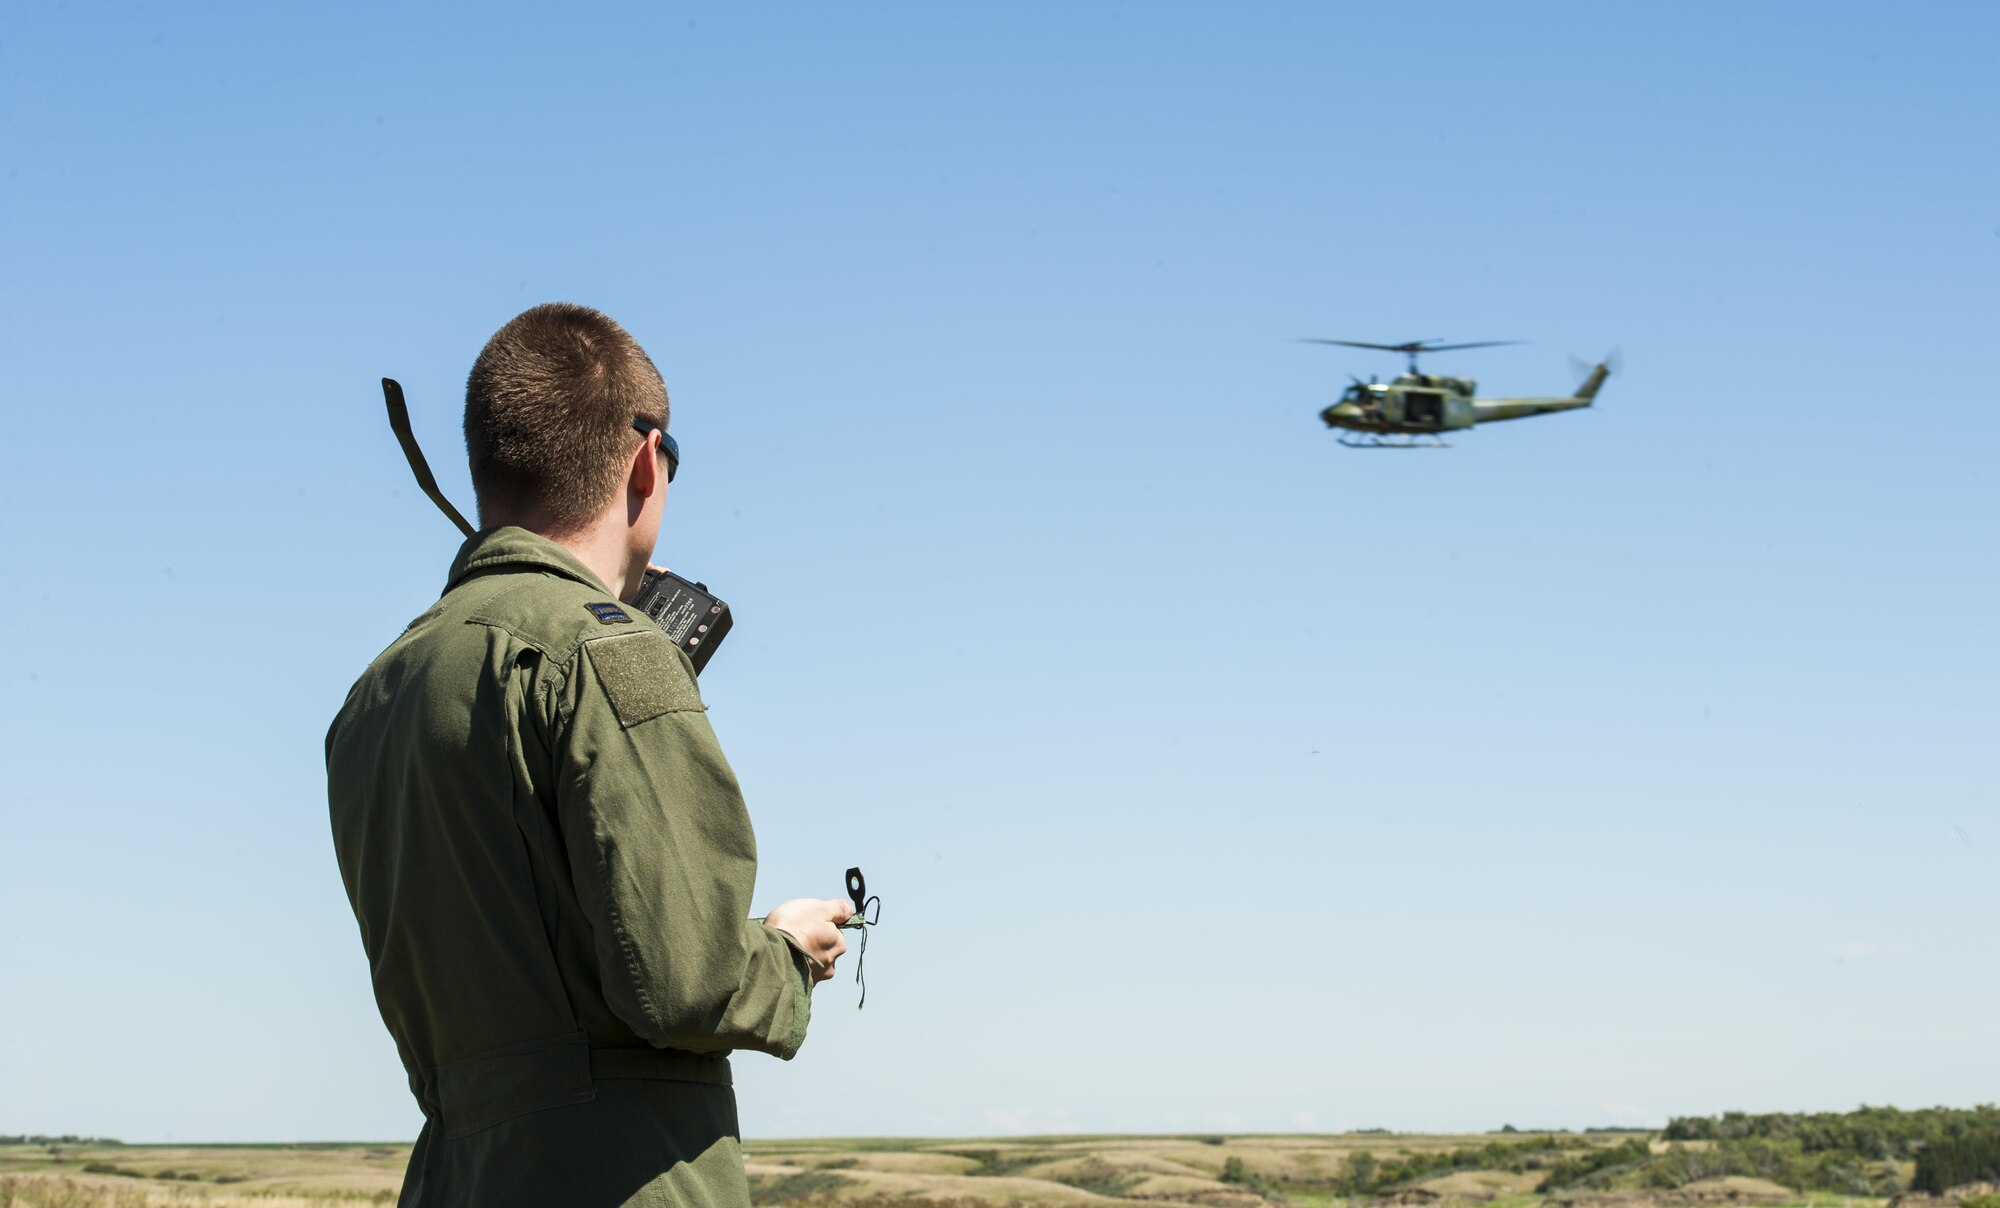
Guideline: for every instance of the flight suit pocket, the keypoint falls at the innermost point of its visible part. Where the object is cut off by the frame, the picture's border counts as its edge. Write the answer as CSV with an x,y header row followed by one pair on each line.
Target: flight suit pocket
x,y
481,1091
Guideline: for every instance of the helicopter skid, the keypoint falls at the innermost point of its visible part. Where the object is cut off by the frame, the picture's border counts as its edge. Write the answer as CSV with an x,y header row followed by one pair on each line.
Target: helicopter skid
x,y
1391,441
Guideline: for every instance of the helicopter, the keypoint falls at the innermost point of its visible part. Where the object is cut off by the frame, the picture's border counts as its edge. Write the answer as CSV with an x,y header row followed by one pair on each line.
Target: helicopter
x,y
1411,411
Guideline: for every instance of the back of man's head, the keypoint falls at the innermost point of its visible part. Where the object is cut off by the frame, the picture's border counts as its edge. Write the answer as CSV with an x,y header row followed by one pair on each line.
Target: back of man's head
x,y
549,407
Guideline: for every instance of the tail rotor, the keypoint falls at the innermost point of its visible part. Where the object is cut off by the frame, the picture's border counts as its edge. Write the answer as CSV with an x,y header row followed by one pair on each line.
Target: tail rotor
x,y
1593,375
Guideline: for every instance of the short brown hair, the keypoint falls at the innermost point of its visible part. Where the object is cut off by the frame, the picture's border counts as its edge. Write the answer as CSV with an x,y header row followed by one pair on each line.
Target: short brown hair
x,y
549,407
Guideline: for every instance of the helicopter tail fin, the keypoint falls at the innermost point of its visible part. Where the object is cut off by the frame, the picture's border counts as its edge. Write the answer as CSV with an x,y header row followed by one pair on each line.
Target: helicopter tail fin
x,y
1591,384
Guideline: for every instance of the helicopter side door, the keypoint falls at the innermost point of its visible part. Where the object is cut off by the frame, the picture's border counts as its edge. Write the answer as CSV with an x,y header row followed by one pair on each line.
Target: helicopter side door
x,y
1424,409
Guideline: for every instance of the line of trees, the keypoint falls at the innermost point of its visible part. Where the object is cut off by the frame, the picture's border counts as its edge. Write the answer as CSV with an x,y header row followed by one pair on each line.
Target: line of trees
x,y
1782,1160
1887,1133
1847,1153
1944,1165
1852,1153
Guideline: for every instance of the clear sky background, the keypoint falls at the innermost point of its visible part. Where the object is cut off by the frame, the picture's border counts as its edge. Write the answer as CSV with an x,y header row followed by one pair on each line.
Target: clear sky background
x,y
1601,768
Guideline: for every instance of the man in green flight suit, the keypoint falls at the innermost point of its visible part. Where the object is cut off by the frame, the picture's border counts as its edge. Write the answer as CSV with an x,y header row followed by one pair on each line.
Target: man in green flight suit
x,y
546,851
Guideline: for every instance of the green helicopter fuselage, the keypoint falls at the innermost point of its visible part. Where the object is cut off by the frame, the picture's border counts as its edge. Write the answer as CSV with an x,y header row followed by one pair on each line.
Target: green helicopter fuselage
x,y
1422,404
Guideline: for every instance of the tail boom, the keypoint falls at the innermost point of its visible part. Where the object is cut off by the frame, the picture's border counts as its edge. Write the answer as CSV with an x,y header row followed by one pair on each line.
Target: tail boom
x,y
1492,410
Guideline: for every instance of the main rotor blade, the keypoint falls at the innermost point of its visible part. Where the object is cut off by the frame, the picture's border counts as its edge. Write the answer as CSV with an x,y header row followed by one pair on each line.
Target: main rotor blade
x,y
1357,344
1412,347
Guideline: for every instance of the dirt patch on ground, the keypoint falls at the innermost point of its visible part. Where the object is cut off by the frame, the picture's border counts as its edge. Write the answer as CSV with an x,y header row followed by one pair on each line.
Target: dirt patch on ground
x,y
1177,1189
850,1184
1735,1189
1479,1185
1703,1193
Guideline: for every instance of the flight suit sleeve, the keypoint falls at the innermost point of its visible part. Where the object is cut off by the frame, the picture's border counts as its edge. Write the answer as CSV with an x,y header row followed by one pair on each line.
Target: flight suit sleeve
x,y
664,859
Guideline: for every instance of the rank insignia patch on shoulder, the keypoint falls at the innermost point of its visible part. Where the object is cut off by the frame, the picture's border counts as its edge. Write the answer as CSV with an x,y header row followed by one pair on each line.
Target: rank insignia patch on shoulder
x,y
609,614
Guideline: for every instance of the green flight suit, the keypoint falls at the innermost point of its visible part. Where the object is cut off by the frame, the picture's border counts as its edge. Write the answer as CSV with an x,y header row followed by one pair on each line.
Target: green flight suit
x,y
552,867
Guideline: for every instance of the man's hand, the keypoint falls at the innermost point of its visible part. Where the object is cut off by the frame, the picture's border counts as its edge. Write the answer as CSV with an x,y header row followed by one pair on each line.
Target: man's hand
x,y
816,927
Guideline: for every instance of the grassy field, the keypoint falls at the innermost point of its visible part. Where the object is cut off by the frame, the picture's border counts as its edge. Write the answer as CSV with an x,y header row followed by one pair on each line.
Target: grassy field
x,y
141,1176
1223,1172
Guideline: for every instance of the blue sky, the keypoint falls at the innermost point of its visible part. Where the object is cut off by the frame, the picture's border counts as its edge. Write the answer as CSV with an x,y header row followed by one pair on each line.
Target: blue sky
x,y
1599,769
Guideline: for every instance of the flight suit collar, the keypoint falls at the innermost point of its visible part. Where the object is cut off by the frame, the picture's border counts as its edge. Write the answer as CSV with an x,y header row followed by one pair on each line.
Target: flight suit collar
x,y
512,548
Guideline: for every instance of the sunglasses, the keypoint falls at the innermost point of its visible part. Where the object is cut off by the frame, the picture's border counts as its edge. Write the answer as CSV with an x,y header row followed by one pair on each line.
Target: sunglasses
x,y
668,445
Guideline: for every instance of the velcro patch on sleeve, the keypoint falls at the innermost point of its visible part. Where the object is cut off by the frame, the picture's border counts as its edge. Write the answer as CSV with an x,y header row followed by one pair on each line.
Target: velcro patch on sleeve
x,y
643,676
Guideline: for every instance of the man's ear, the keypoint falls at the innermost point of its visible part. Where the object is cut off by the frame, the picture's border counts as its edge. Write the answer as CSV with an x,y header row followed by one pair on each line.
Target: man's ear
x,y
645,477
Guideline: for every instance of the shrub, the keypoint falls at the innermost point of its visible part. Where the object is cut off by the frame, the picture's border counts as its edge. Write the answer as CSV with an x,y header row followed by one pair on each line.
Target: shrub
x,y
1101,1178
995,1164
1361,1171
